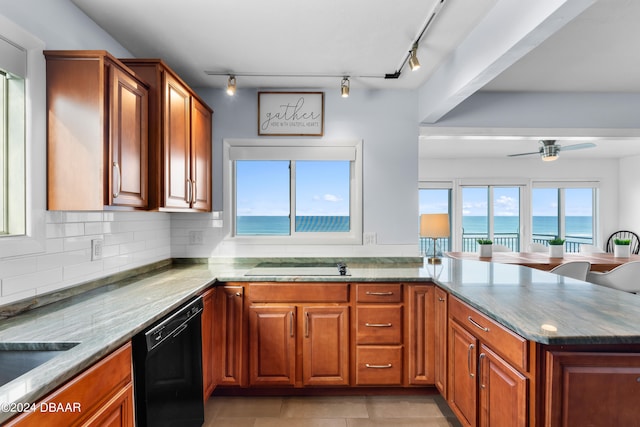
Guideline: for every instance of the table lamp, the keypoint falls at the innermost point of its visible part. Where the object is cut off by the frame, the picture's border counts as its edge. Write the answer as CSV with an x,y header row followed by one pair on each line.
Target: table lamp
x,y
434,226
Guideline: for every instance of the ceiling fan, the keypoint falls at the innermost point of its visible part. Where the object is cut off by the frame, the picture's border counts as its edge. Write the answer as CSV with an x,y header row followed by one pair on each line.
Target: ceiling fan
x,y
549,151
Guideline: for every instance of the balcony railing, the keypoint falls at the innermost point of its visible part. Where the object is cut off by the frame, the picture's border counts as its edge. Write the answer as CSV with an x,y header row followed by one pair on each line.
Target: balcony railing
x,y
511,240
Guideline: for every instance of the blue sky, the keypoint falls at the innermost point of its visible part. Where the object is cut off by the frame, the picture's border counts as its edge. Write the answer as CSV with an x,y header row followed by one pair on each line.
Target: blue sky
x,y
506,201
322,188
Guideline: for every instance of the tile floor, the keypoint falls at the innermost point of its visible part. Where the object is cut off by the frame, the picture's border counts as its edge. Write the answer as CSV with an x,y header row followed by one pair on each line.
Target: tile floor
x,y
334,411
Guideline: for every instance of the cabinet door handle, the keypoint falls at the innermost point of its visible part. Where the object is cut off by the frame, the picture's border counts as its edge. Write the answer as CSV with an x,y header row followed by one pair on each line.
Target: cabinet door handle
x,y
379,294
306,325
119,175
291,323
387,366
477,325
482,356
187,188
469,351
193,191
378,325
441,299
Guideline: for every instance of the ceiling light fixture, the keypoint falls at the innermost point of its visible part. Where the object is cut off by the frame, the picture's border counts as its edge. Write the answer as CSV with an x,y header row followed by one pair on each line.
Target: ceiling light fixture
x,y
550,152
410,58
413,58
344,87
231,85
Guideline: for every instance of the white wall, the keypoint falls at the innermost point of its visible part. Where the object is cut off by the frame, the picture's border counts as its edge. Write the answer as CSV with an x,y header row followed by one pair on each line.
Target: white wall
x,y
629,194
63,258
386,123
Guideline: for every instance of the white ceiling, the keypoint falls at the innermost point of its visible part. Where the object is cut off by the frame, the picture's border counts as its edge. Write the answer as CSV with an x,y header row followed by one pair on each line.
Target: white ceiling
x,y
288,37
596,52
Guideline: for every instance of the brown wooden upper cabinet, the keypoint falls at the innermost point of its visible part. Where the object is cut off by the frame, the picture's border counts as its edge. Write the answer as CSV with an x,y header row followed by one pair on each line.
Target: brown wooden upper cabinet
x,y
180,140
97,135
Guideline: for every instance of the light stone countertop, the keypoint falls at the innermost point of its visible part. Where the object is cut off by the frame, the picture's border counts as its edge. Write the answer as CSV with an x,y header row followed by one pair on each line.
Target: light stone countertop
x,y
520,298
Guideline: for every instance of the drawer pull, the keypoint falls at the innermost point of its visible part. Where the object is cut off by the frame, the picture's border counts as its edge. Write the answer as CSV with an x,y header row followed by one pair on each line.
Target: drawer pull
x,y
477,325
379,294
378,325
441,299
387,366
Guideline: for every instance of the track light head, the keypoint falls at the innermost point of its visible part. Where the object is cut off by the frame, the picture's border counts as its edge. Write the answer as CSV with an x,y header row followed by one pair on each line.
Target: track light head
x,y
344,87
231,85
413,58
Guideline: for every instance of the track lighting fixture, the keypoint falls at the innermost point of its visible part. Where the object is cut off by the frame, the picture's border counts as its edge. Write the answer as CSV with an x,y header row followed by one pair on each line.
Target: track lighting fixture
x,y
231,85
413,58
344,87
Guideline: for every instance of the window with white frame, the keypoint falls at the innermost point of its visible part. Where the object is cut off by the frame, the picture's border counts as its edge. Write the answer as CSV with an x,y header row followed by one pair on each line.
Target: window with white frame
x,y
295,192
566,210
12,140
23,167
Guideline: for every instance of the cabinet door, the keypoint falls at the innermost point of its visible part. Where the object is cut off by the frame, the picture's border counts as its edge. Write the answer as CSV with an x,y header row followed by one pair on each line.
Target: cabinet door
x,y
421,334
440,338
462,384
117,412
128,160
177,106
208,359
325,345
594,389
503,392
272,345
200,156
229,335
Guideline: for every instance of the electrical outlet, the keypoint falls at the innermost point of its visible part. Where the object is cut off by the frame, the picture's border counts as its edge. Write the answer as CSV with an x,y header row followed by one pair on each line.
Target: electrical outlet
x,y
96,249
196,237
370,238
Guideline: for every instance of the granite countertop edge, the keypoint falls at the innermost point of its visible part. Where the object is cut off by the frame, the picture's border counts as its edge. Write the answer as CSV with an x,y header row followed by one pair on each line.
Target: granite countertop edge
x,y
160,292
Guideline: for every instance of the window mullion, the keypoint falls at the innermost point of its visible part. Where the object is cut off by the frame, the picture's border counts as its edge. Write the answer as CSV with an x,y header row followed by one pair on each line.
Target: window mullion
x,y
292,197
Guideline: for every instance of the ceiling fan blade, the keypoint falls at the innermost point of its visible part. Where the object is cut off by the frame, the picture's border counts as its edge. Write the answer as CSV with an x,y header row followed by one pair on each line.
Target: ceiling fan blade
x,y
523,154
577,146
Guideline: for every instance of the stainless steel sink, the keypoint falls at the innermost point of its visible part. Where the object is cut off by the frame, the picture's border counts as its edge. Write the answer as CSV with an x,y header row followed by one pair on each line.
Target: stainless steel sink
x,y
17,358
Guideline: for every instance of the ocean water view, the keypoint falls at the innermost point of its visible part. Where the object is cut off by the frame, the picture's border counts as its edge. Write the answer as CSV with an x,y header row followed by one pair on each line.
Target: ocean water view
x,y
279,225
576,226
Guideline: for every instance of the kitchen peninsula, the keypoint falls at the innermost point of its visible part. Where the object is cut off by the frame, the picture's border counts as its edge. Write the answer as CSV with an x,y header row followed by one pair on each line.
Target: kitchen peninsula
x,y
557,341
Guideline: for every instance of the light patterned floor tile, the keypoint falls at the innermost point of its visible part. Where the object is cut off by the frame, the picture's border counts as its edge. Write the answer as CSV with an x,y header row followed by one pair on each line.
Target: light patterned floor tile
x,y
325,407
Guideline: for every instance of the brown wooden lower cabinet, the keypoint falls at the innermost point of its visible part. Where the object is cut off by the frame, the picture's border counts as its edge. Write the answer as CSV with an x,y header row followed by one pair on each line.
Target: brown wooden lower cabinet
x,y
293,344
208,357
440,340
229,336
484,388
503,392
592,389
100,396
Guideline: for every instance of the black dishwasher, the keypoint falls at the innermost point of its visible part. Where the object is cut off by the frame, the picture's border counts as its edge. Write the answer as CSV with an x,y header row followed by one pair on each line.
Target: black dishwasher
x,y
167,365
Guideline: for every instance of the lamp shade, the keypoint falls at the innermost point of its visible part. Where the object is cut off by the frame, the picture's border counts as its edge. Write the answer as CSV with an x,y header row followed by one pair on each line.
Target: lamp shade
x,y
434,225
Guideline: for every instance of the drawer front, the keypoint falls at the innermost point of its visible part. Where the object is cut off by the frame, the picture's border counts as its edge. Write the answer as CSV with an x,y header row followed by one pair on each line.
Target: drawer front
x,y
384,293
379,365
298,292
501,340
379,324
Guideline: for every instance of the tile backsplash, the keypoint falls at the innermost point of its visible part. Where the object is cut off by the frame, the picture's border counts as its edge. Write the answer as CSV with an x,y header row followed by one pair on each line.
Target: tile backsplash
x,y
129,239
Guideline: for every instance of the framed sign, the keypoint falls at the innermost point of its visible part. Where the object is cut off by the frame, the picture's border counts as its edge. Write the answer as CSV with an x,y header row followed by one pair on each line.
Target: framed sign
x,y
291,113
